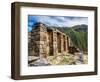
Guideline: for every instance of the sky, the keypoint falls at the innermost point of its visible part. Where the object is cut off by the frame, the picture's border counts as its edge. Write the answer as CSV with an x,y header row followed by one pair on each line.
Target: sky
x,y
61,21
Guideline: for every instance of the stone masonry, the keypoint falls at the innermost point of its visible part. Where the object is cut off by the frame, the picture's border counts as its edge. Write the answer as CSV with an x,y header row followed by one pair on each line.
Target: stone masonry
x,y
44,41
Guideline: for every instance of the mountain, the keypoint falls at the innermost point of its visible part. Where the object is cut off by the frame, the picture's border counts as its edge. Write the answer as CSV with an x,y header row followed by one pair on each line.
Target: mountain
x,y
80,28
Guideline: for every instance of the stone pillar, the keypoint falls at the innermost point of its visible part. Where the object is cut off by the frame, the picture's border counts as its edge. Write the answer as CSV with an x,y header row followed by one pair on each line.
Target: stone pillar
x,y
66,44
43,42
62,44
55,43
47,44
70,43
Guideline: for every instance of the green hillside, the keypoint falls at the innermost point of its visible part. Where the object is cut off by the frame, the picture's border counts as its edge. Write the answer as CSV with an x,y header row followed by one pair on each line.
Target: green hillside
x,y
78,35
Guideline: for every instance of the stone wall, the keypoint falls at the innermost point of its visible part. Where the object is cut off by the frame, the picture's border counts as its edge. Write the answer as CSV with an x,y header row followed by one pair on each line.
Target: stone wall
x,y
44,41
34,42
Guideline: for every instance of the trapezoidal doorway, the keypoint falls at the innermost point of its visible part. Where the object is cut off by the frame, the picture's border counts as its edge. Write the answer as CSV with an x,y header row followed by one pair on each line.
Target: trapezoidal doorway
x,y
59,42
50,42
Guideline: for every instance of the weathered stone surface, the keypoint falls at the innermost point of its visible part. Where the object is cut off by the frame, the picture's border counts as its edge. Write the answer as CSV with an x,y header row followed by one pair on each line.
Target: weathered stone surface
x,y
78,58
40,62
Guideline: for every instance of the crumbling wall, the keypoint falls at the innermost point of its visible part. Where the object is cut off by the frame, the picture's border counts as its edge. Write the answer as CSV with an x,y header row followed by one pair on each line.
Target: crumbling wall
x,y
34,42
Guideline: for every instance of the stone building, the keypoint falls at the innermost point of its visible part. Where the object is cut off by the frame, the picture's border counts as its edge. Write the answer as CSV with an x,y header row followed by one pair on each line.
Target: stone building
x,y
44,41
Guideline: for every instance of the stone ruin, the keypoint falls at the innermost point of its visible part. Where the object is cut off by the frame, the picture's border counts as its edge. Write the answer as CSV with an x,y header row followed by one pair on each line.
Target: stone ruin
x,y
44,41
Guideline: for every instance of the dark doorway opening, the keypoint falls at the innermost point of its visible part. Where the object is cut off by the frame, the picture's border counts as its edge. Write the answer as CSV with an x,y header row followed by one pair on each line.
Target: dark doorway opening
x,y
59,42
64,43
50,42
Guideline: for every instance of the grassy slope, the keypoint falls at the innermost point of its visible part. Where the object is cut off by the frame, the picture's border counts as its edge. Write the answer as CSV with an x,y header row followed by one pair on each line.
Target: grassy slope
x,y
78,35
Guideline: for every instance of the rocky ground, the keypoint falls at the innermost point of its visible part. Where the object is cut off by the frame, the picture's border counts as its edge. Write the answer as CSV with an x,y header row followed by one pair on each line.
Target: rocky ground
x,y
61,59
68,59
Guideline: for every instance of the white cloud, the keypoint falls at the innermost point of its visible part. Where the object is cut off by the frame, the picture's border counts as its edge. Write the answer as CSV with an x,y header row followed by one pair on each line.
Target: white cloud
x,y
64,21
61,20
77,21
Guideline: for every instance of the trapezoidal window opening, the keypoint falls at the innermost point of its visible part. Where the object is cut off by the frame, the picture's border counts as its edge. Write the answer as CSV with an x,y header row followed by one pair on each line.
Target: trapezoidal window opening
x,y
59,42
50,42
64,43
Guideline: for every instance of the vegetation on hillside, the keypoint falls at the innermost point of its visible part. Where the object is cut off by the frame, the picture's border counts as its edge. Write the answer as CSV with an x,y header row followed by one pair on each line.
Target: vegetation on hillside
x,y
78,35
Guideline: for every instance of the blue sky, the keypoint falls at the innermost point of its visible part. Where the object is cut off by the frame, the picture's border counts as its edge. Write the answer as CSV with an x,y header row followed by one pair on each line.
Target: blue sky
x,y
56,20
